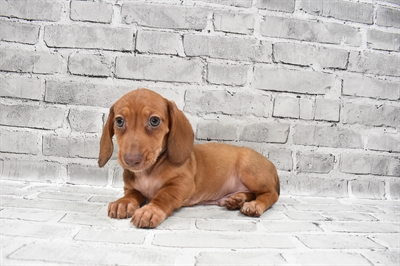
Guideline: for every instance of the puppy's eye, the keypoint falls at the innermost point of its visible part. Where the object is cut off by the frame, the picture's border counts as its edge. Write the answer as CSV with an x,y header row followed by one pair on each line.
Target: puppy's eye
x,y
154,121
119,121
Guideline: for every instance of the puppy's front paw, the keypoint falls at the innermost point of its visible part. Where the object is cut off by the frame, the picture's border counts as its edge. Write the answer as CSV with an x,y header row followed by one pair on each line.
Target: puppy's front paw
x,y
252,208
148,217
122,208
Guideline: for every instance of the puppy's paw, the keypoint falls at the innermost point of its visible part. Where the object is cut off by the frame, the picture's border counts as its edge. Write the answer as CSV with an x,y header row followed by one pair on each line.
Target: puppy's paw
x,y
252,208
235,202
148,217
122,208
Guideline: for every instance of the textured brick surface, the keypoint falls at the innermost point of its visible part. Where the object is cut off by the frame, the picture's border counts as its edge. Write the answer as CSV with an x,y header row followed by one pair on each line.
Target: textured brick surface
x,y
312,85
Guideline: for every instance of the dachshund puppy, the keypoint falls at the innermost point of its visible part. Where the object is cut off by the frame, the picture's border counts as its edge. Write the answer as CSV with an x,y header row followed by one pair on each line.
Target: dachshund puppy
x,y
163,167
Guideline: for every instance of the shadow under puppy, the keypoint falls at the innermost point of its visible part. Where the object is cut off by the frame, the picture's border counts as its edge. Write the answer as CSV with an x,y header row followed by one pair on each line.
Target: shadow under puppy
x,y
162,165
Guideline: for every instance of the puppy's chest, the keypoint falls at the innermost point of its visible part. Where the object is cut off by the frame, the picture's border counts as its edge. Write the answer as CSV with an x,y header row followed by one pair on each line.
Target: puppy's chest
x,y
148,186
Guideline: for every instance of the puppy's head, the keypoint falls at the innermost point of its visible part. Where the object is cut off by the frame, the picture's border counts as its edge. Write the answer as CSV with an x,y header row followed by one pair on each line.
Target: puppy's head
x,y
146,125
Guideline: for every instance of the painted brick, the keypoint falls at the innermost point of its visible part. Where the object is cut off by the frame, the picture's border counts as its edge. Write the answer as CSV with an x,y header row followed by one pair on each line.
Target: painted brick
x,y
12,31
17,141
42,171
373,189
237,257
303,30
343,10
306,108
374,63
71,147
265,132
16,87
90,64
39,116
215,130
87,175
203,102
370,164
47,10
360,85
384,142
288,80
226,225
312,162
338,241
286,107
91,11
283,5
327,110
32,229
159,42
30,62
234,75
85,121
382,40
335,137
281,158
164,16
111,236
89,37
237,3
159,68
387,17
227,47
321,257
369,114
234,22
394,190
307,55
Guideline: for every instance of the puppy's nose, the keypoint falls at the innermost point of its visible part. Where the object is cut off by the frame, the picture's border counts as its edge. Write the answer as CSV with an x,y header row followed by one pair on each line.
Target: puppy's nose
x,y
133,159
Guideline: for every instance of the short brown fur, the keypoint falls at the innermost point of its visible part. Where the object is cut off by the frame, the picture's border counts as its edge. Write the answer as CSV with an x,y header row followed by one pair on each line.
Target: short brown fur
x,y
163,167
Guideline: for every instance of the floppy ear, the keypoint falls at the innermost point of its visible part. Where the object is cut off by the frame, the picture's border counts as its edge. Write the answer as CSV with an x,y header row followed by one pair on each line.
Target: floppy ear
x,y
181,135
106,144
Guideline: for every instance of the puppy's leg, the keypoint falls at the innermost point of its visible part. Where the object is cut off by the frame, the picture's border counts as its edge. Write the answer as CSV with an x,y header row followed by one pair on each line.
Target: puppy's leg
x,y
260,204
126,206
237,200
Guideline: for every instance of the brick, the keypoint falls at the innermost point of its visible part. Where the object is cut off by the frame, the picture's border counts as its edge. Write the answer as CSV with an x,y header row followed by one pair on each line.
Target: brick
x,y
387,17
327,110
283,5
287,80
87,175
373,189
357,163
307,55
394,188
164,16
265,132
219,240
227,47
31,215
33,229
39,116
362,86
159,68
91,11
312,162
46,10
343,10
361,227
339,257
234,22
322,32
12,31
16,87
85,121
15,141
237,3
306,108
384,142
71,147
111,236
369,114
97,65
203,102
338,242
381,40
286,107
42,171
30,62
226,225
159,42
215,130
89,37
281,158
290,226
233,75
236,257
324,136
374,63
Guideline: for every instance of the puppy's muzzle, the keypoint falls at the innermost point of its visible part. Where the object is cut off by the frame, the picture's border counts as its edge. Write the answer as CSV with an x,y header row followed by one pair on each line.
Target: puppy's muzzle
x,y
133,160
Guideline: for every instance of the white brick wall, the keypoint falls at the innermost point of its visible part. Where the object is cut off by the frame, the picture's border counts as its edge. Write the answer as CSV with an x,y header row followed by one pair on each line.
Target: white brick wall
x,y
313,85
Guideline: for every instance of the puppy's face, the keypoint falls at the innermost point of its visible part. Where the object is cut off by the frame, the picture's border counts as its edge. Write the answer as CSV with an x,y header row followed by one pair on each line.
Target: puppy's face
x,y
141,126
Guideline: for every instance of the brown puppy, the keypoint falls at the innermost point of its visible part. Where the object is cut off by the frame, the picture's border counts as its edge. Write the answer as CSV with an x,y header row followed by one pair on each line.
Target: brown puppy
x,y
162,166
